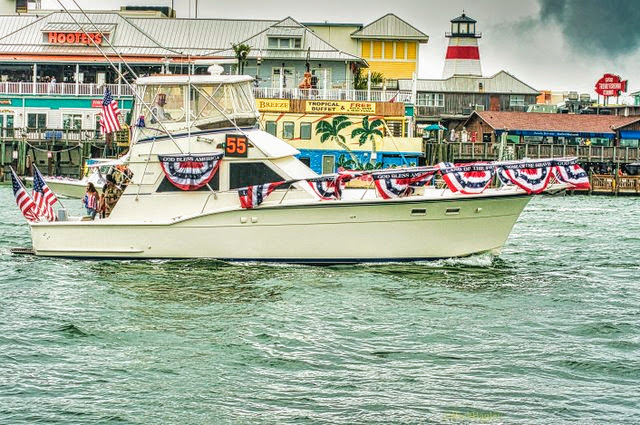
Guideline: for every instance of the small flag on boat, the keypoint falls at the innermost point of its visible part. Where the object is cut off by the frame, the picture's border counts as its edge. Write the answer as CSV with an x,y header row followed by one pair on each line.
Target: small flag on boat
x,y
140,122
109,121
24,201
43,196
400,183
252,196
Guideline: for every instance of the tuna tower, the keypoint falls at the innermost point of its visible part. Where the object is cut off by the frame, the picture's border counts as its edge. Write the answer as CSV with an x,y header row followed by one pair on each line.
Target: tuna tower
x,y
463,54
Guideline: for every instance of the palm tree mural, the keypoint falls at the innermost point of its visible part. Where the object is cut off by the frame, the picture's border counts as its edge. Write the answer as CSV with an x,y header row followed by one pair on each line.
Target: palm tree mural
x,y
331,131
370,130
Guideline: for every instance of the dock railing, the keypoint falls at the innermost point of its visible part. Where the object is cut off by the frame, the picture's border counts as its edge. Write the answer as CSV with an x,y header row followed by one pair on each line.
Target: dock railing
x,y
480,151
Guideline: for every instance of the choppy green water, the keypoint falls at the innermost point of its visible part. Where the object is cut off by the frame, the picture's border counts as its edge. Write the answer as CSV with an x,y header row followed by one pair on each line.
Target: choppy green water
x,y
547,333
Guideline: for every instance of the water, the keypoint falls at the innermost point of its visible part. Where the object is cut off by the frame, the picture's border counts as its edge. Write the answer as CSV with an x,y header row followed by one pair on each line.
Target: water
x,y
547,333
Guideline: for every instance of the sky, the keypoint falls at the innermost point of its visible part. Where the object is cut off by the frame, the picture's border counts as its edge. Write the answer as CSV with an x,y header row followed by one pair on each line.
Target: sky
x,y
548,44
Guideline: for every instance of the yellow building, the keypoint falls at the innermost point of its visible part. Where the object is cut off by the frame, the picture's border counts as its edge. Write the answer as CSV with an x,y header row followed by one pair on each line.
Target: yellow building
x,y
389,44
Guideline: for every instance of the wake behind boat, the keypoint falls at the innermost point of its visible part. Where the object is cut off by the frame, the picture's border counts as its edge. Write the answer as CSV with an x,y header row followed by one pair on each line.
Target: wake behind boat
x,y
208,183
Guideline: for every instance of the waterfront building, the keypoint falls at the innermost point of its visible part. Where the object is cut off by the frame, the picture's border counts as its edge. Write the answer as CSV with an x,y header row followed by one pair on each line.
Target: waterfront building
x,y
52,76
333,134
390,45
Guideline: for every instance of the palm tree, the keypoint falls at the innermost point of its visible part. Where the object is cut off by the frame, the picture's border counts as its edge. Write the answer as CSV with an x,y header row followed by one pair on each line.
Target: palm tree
x,y
331,131
360,79
370,130
242,53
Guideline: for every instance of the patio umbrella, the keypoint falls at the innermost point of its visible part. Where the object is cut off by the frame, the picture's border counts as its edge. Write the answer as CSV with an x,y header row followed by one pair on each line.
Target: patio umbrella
x,y
434,127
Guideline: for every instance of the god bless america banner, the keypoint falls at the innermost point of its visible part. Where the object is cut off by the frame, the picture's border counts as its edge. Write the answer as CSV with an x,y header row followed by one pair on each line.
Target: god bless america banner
x,y
331,187
190,172
568,171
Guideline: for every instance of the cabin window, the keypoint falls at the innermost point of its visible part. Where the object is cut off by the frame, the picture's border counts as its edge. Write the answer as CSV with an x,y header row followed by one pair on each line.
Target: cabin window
x,y
516,100
72,121
305,131
243,174
272,128
287,129
37,121
167,186
305,160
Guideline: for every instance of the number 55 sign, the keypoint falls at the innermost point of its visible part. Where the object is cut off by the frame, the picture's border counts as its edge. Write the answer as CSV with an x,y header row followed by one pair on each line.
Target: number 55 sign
x,y
236,145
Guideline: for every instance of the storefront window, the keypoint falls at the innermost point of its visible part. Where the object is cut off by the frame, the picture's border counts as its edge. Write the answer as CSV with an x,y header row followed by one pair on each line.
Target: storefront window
x,y
72,121
305,130
287,130
36,121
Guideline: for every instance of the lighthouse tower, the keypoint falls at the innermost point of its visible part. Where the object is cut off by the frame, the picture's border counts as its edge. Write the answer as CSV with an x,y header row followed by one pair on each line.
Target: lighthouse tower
x,y
463,54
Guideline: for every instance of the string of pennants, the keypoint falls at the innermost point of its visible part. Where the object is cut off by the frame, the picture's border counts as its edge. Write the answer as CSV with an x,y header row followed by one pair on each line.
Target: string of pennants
x,y
533,176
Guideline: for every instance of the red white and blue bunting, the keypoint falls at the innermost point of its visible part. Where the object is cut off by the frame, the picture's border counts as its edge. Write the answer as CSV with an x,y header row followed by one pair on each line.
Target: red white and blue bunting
x,y
190,172
467,179
331,187
569,172
252,196
532,177
400,183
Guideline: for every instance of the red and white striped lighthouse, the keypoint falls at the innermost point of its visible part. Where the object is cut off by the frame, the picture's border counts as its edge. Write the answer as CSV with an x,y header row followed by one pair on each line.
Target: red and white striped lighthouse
x,y
463,54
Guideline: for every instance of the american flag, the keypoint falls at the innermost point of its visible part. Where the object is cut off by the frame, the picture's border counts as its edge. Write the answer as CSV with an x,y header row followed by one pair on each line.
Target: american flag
x,y
43,197
252,196
109,119
24,201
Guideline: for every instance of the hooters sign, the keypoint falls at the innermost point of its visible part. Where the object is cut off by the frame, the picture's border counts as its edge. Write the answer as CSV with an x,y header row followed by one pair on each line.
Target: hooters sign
x,y
610,85
74,38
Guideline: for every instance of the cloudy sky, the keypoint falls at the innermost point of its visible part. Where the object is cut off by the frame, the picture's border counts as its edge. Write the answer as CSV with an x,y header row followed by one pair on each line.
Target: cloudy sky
x,y
548,44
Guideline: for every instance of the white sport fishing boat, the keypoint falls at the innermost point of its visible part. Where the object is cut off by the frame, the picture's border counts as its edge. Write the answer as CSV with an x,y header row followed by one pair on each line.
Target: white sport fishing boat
x,y
204,129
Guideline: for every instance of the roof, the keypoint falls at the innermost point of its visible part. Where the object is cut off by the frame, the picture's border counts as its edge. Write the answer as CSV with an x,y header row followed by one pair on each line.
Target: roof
x,y
535,121
463,18
162,37
391,27
635,93
500,82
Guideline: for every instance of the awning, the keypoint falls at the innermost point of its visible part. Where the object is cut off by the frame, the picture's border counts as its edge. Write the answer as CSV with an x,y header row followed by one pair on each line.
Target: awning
x,y
556,134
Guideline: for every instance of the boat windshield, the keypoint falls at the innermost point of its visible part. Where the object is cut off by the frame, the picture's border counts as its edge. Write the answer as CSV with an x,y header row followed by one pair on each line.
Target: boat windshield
x,y
211,106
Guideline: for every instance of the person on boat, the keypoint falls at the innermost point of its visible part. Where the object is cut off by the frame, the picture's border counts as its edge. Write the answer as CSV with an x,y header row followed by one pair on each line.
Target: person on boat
x,y
101,204
158,109
111,195
90,200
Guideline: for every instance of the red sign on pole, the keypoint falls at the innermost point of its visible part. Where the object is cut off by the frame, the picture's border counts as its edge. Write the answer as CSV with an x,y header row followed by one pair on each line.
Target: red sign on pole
x,y
610,85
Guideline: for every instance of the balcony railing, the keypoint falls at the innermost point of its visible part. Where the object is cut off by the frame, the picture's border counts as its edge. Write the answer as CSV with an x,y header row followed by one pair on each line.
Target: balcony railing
x,y
66,89
333,94
49,135
85,89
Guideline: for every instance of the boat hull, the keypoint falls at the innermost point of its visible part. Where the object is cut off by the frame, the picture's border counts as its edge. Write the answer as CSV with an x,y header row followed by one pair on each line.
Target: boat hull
x,y
401,230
